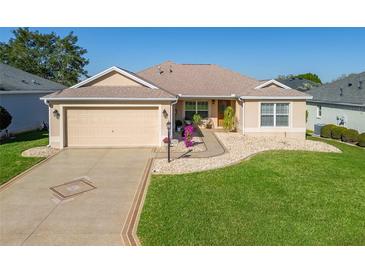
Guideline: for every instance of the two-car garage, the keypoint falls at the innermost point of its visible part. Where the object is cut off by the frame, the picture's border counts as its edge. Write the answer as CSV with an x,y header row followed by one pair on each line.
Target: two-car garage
x,y
111,126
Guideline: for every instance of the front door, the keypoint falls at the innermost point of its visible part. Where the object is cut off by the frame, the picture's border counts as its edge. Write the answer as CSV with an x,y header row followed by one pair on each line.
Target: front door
x,y
222,105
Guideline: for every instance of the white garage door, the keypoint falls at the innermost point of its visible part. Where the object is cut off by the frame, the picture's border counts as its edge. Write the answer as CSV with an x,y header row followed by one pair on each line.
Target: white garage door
x,y
112,127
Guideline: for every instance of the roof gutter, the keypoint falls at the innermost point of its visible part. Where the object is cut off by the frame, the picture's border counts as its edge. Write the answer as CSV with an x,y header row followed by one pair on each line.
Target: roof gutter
x,y
337,103
277,97
232,96
104,99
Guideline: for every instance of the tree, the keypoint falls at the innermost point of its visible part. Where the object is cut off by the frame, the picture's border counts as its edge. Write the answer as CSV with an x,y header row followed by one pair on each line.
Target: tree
x,y
5,118
228,119
309,76
46,55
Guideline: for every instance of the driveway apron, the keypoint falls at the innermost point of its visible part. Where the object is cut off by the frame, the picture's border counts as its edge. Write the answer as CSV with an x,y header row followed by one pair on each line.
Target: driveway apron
x,y
31,214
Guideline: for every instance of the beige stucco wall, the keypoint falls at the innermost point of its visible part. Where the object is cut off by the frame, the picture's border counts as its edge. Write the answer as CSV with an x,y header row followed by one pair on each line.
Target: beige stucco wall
x,y
112,79
238,115
212,110
296,128
56,136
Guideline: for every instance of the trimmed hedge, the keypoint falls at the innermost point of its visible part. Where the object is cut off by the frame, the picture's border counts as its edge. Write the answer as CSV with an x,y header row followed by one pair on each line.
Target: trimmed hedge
x,y
327,130
337,132
350,136
361,140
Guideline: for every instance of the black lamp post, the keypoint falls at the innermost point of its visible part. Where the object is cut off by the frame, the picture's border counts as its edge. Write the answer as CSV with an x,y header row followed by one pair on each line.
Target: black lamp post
x,y
168,125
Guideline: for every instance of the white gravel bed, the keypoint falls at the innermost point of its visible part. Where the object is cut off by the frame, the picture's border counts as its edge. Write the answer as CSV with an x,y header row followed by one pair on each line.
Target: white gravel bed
x,y
179,146
238,148
39,152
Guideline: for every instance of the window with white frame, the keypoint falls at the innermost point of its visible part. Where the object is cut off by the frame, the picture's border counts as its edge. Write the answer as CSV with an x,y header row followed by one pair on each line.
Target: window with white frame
x,y
275,114
319,111
193,107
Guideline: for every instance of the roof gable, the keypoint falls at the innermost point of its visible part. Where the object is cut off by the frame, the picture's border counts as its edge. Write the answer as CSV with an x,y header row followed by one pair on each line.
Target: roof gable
x,y
272,82
115,76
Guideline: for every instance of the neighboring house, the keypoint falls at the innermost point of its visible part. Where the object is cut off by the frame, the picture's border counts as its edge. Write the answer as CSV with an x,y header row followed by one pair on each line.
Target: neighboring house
x,y
117,108
341,102
300,84
20,94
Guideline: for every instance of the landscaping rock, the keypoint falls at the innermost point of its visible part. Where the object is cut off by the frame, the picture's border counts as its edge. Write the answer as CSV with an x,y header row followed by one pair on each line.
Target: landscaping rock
x,y
238,148
39,152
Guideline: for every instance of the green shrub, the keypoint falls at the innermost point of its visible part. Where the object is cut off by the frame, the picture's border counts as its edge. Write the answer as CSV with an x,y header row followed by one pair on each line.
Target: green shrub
x,y
336,132
326,131
350,136
361,140
5,118
197,119
228,122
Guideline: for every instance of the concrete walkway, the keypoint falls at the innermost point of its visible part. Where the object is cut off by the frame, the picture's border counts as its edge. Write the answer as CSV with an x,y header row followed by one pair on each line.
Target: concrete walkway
x,y
30,213
214,148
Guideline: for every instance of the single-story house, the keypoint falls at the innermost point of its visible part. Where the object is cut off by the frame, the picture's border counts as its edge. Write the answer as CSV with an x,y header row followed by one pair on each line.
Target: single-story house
x,y
341,102
19,95
118,108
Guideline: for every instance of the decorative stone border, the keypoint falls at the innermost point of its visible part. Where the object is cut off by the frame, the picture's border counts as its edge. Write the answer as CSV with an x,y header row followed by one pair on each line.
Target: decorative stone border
x,y
129,230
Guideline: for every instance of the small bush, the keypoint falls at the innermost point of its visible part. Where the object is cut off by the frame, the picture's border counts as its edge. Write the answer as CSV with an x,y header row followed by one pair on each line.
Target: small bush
x,y
350,136
326,131
197,119
5,118
228,122
336,132
361,140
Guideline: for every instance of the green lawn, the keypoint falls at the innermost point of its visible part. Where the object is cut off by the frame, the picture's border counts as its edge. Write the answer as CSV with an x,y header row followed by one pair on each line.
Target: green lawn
x,y
276,198
11,161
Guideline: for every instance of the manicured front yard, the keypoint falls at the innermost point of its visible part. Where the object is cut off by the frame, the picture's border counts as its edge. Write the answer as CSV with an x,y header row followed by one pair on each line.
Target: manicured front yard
x,y
11,161
276,198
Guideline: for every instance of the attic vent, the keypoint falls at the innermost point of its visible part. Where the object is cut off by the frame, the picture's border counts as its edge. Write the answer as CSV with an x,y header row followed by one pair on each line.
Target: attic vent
x,y
349,84
24,81
360,85
35,82
160,69
341,91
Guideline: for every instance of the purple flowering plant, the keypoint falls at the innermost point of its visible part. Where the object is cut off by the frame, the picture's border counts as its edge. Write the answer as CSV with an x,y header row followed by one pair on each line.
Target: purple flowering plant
x,y
188,135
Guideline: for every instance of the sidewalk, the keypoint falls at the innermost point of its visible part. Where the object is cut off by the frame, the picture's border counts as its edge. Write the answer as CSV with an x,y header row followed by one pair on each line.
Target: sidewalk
x,y
214,148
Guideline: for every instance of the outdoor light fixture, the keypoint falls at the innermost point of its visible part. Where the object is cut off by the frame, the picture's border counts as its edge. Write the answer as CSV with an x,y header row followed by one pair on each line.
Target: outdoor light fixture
x,y
165,114
213,102
56,113
168,125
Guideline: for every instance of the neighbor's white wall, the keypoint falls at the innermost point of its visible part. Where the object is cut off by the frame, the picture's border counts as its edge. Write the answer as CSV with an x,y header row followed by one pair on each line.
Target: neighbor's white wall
x,y
355,117
27,110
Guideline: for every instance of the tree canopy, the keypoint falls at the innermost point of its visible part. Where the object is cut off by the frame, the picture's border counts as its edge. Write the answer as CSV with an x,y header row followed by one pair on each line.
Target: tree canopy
x,y
50,56
309,76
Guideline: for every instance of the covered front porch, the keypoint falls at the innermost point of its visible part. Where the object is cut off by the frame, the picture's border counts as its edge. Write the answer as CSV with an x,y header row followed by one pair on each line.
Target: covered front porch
x,y
209,109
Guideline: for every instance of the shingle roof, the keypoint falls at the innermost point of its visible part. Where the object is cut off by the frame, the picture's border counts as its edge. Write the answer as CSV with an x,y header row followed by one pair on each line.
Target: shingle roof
x,y
299,83
117,92
208,80
350,94
12,79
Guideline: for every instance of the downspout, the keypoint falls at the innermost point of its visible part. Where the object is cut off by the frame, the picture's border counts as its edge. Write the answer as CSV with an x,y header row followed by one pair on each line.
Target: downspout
x,y
243,115
172,118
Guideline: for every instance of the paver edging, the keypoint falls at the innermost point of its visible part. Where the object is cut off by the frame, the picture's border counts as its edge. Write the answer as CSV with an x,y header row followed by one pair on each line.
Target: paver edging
x,y
129,230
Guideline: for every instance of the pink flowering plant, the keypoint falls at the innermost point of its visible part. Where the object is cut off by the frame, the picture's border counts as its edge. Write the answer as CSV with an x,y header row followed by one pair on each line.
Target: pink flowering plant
x,y
188,135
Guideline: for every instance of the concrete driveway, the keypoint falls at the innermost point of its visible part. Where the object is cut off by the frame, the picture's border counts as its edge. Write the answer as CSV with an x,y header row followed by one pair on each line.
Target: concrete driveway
x,y
31,214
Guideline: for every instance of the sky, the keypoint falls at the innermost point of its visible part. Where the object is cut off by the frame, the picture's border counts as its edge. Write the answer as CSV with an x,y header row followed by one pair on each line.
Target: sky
x,y
262,53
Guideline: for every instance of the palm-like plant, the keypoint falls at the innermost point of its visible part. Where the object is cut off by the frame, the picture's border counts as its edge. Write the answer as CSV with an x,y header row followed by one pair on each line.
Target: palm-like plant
x,y
228,122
